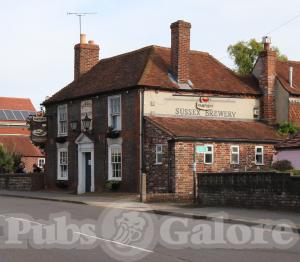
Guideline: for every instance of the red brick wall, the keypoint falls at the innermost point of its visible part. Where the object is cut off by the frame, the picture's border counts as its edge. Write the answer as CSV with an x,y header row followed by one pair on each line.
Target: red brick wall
x,y
294,113
180,47
86,56
29,161
184,154
267,84
175,175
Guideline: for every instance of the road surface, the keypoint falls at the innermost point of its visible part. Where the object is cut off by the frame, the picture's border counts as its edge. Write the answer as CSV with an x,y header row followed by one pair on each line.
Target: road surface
x,y
24,212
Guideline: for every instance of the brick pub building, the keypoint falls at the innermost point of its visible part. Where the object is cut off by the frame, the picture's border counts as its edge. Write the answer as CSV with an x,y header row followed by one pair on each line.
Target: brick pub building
x,y
156,111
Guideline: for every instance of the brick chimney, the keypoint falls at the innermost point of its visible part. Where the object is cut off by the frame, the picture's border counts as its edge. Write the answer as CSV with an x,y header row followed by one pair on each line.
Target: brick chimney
x,y
180,48
86,56
267,81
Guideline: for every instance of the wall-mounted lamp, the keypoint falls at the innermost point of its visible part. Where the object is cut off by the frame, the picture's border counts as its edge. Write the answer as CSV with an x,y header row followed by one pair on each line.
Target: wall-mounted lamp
x,y
86,123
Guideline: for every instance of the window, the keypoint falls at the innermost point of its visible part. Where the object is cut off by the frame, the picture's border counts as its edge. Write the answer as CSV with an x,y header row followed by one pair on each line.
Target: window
x,y
234,155
209,155
41,162
115,162
259,155
158,154
114,112
62,163
62,118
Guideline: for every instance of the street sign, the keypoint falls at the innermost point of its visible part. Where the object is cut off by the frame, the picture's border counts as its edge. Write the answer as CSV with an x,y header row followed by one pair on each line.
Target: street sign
x,y
201,149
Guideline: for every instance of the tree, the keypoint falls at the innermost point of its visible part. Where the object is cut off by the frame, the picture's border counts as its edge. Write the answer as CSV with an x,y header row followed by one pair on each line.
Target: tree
x,y
245,54
6,161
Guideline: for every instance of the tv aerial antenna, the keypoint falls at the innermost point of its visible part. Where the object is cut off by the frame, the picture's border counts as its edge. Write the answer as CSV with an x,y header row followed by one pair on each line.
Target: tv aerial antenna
x,y
80,15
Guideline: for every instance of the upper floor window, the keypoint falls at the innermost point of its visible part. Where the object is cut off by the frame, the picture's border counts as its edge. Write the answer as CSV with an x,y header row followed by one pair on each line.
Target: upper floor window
x,y
234,155
114,112
62,120
209,154
259,155
158,154
62,164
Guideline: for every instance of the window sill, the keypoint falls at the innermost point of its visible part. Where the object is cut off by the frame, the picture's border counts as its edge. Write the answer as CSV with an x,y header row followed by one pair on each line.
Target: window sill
x,y
115,179
62,179
158,164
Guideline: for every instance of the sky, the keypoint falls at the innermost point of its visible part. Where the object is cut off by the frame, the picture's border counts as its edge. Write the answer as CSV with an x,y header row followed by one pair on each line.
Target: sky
x,y
38,37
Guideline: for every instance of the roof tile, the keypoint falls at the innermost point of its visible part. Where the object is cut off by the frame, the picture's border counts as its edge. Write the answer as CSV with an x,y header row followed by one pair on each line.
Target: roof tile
x,y
150,66
216,129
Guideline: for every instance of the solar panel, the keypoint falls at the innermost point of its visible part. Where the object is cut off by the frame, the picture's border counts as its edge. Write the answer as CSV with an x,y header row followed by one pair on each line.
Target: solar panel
x,y
2,115
31,113
18,115
25,114
9,115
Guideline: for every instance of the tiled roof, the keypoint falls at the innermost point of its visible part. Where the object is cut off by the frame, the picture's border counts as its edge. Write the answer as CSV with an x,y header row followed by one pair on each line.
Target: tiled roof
x,y
14,130
13,103
282,71
289,143
216,129
149,67
21,145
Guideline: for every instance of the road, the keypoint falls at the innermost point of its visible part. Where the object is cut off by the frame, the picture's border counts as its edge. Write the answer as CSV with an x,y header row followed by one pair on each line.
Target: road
x,y
159,243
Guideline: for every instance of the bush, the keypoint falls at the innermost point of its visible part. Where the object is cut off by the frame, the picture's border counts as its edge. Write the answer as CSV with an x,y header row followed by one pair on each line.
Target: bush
x,y
6,161
288,128
296,172
112,185
282,165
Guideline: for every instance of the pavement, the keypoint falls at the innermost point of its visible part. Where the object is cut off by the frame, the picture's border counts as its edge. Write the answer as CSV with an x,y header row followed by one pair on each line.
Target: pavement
x,y
243,216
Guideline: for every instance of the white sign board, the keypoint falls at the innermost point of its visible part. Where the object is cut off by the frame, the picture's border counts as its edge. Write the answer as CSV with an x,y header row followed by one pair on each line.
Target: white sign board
x,y
168,104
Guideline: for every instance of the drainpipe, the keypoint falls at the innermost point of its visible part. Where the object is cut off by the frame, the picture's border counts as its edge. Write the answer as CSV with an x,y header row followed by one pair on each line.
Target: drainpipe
x,y
195,184
142,174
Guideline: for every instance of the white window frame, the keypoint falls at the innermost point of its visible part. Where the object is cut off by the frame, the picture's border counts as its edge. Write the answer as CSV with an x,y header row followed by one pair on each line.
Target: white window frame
x,y
59,174
262,154
234,153
59,108
212,153
157,153
110,116
110,167
42,159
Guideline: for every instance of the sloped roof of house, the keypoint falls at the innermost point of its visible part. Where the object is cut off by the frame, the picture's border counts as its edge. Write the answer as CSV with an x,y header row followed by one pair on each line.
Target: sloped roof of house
x,y
282,71
216,129
149,67
289,143
14,103
14,131
20,145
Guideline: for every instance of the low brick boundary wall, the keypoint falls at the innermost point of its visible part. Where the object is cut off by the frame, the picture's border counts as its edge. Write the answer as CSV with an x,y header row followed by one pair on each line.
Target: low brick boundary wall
x,y
252,189
168,197
22,182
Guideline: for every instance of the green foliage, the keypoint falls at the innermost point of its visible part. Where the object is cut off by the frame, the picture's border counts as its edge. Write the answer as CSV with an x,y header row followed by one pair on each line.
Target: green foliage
x,y
6,161
296,172
17,160
282,165
287,128
112,185
245,54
